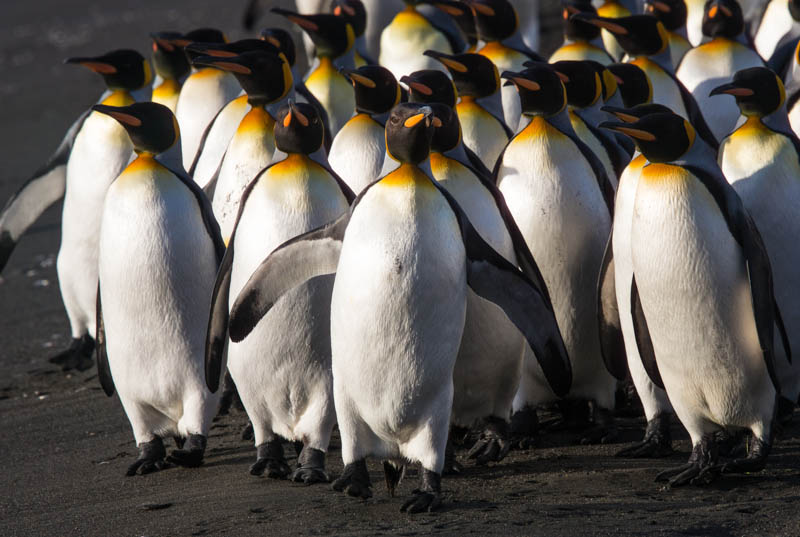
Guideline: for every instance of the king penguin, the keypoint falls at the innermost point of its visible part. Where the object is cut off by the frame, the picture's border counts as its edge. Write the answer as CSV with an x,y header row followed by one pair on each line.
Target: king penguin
x,y
633,84
403,255
354,12
431,86
159,249
171,66
612,9
582,41
282,370
701,297
761,160
672,14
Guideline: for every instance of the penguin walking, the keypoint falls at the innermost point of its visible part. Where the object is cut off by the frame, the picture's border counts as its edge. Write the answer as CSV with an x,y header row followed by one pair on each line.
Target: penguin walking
x,y
159,249
403,256
672,14
359,149
710,64
582,41
760,160
171,69
282,370
561,198
701,297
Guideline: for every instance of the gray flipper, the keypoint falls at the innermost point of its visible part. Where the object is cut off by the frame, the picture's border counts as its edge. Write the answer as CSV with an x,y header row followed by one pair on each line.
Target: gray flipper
x,y
612,345
45,187
211,186
103,369
203,140
643,341
695,115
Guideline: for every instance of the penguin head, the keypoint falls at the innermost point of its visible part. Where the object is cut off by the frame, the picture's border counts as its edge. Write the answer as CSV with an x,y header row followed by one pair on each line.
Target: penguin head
x,y
474,75
264,75
633,83
354,12
376,89
638,35
409,131
461,13
495,20
722,18
227,50
758,91
607,80
199,35
281,40
152,127
169,59
574,28
125,70
582,82
446,128
541,90
333,36
430,86
671,13
661,137
633,114
298,129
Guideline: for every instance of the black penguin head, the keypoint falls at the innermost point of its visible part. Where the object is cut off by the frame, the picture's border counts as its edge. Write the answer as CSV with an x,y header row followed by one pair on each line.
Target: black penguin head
x,y
541,90
473,74
722,18
495,20
264,75
151,126
574,28
354,12
298,129
671,13
199,35
409,131
638,35
332,35
227,50
461,13
758,91
633,114
661,137
583,84
281,40
124,69
446,128
633,83
607,80
169,59
376,89
430,86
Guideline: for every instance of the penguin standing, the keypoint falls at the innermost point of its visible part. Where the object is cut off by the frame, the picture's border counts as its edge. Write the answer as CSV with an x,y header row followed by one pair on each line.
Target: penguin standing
x,y
159,249
171,66
403,256
701,297
282,369
672,14
358,151
582,41
761,161
708,65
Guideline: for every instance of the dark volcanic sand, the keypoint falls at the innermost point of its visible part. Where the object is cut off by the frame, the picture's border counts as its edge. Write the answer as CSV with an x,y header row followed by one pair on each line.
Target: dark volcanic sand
x,y
65,446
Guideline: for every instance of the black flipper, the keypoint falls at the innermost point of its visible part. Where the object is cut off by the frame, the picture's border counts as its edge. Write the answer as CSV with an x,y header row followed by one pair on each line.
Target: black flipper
x,y
103,369
643,341
603,182
446,25
203,140
695,115
612,345
781,59
45,187
211,186
209,221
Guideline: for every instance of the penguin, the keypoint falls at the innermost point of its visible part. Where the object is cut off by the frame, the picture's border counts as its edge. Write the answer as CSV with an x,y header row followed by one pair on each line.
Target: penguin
x,y
283,369
778,34
158,252
358,151
171,66
701,297
612,9
672,14
430,86
413,31
708,65
497,24
266,78
633,84
355,14
462,16
760,160
561,198
403,255
480,111
582,41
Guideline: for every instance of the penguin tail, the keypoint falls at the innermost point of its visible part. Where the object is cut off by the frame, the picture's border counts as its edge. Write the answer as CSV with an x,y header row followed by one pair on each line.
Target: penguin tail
x,y
393,472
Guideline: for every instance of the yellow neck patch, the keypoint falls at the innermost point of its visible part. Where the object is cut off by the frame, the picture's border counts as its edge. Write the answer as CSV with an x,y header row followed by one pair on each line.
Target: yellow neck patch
x,y
656,173
407,176
118,98
145,162
168,89
256,121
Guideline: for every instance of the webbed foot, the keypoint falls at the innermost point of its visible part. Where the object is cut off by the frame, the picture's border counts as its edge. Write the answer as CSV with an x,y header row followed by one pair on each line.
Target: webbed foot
x,y
354,480
151,458
428,496
311,467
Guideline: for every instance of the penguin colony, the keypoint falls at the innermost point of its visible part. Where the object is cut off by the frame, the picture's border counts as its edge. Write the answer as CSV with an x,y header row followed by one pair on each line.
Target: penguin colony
x,y
434,231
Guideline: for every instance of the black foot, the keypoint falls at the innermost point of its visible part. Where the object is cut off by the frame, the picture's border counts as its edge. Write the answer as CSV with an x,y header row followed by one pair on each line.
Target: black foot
x,y
603,430
428,496
247,432
269,459
657,440
151,458
355,480
451,465
493,444
524,426
230,396
78,356
785,410
311,467
393,475
191,455
700,470
731,444
179,441
755,460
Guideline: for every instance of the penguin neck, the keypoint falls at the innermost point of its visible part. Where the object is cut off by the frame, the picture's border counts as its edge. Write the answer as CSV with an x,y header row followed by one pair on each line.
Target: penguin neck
x,y
407,174
380,119
274,108
559,120
456,153
776,121
118,97
491,103
346,60
680,32
257,120
664,60
144,162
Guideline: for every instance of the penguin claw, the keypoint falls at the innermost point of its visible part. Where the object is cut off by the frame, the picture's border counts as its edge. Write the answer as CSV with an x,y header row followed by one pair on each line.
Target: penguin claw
x,y
354,481
421,501
492,446
657,440
599,435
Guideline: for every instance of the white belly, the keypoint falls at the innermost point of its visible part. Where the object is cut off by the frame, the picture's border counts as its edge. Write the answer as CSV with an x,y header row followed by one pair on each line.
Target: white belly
x,y
665,91
358,151
774,25
481,132
405,39
333,92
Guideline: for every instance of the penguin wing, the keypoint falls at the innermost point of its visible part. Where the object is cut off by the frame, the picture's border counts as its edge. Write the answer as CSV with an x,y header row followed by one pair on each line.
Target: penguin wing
x,y
475,162
45,187
781,57
614,152
493,278
445,24
203,140
603,182
643,341
210,222
211,186
103,369
612,345
347,192
695,115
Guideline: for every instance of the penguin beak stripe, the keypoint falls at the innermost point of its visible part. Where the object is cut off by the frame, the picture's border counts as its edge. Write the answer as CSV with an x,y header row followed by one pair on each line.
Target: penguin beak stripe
x,y
619,80
739,92
220,53
483,9
450,10
301,118
437,122
627,118
273,41
100,67
527,84
166,45
234,67
662,7
610,26
305,24
413,120
712,12
127,119
422,88
364,81
564,78
637,133
454,65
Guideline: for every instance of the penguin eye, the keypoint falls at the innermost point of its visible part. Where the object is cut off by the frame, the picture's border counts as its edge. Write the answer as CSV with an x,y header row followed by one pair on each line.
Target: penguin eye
x,y
394,120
